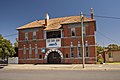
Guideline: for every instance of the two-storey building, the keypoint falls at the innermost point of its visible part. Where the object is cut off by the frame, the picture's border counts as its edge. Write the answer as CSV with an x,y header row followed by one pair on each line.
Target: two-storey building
x,y
57,40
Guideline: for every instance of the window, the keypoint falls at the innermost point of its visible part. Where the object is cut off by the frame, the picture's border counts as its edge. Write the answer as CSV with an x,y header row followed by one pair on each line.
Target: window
x,y
87,51
53,34
34,35
79,49
84,31
26,35
79,53
110,55
30,51
72,55
24,52
40,56
72,31
72,51
36,51
66,55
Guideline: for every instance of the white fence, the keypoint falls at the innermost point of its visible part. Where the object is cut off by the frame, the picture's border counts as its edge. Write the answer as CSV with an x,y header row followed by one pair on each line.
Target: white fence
x,y
13,60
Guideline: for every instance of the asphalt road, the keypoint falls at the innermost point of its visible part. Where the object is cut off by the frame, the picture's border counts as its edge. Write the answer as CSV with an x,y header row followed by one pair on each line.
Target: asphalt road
x,y
59,74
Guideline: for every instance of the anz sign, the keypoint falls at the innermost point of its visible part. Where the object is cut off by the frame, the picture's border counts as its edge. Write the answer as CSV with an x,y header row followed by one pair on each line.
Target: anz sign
x,y
53,43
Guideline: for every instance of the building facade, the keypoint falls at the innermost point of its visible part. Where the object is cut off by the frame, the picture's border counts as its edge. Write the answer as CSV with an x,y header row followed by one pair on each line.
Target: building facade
x,y
57,40
111,56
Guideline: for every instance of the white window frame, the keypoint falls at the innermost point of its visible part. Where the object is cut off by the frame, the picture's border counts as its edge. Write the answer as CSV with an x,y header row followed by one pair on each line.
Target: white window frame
x,y
36,51
30,51
73,30
84,31
87,51
71,52
34,35
79,50
24,52
26,35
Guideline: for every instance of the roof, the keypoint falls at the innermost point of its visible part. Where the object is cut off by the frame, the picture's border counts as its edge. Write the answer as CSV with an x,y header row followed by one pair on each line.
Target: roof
x,y
54,23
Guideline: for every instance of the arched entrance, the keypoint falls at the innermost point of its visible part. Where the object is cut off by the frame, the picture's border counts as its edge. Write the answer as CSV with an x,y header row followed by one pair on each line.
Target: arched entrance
x,y
54,58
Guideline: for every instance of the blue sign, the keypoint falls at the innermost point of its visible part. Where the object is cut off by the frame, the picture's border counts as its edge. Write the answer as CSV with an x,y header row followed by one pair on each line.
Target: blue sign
x,y
43,50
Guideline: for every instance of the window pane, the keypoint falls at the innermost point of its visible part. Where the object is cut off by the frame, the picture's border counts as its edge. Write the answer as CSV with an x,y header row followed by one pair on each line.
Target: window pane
x,y
87,53
72,31
66,55
34,35
40,56
53,34
79,53
26,36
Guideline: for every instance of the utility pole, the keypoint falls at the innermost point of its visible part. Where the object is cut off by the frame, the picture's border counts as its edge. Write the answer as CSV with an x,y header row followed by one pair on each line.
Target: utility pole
x,y
83,57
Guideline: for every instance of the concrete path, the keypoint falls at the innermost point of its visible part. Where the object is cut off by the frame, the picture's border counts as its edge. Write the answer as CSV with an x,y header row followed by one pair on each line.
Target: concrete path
x,y
62,67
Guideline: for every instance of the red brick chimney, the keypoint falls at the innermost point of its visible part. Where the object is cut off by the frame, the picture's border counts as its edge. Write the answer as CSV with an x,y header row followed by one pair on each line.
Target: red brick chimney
x,y
46,19
92,13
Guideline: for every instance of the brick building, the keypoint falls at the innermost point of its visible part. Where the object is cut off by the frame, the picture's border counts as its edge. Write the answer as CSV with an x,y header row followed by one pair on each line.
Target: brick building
x,y
57,40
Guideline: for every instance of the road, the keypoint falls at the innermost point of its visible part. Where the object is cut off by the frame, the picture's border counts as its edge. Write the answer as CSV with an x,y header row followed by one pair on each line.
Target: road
x,y
59,74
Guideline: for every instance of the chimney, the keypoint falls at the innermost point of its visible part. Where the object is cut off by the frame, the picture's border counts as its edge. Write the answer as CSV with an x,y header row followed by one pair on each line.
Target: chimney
x,y
92,13
46,19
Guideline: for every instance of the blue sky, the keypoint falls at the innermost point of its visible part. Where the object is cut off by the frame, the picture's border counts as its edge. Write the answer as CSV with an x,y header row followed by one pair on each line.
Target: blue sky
x,y
15,13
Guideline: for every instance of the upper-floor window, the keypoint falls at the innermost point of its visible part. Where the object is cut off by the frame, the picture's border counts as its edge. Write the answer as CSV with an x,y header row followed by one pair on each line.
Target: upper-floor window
x,y
53,34
72,31
26,35
34,35
84,31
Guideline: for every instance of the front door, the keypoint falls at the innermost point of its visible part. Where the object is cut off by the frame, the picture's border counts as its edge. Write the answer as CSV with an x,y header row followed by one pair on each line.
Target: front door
x,y
54,58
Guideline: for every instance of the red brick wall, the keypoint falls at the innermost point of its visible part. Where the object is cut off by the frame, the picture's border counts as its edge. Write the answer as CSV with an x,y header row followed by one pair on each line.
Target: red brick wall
x,y
65,42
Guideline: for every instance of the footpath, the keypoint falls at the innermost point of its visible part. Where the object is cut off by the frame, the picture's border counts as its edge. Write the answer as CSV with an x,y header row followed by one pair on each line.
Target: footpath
x,y
61,67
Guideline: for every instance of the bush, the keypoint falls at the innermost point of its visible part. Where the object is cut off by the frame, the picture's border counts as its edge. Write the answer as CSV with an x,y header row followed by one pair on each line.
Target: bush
x,y
100,60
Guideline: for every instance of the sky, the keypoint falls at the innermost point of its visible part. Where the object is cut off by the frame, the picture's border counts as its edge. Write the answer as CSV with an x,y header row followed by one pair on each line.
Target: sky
x,y
16,13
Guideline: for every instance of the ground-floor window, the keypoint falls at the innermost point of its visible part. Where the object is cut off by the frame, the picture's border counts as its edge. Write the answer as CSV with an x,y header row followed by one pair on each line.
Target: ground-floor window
x,y
72,51
30,51
87,51
79,52
66,55
24,52
36,51
110,55
40,56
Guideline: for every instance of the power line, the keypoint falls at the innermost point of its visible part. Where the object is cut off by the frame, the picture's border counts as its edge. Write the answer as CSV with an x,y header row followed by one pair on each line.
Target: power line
x,y
104,16
108,37
10,35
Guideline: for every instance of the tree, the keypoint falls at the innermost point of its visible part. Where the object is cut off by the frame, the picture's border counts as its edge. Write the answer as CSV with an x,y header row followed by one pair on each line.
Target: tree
x,y
113,47
16,48
100,49
16,43
6,48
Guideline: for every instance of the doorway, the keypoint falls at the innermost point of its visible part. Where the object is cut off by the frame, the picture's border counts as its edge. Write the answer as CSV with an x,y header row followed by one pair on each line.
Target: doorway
x,y
54,58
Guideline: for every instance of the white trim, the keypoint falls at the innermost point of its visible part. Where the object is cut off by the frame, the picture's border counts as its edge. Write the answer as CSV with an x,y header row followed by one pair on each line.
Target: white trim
x,y
55,47
51,50
54,38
